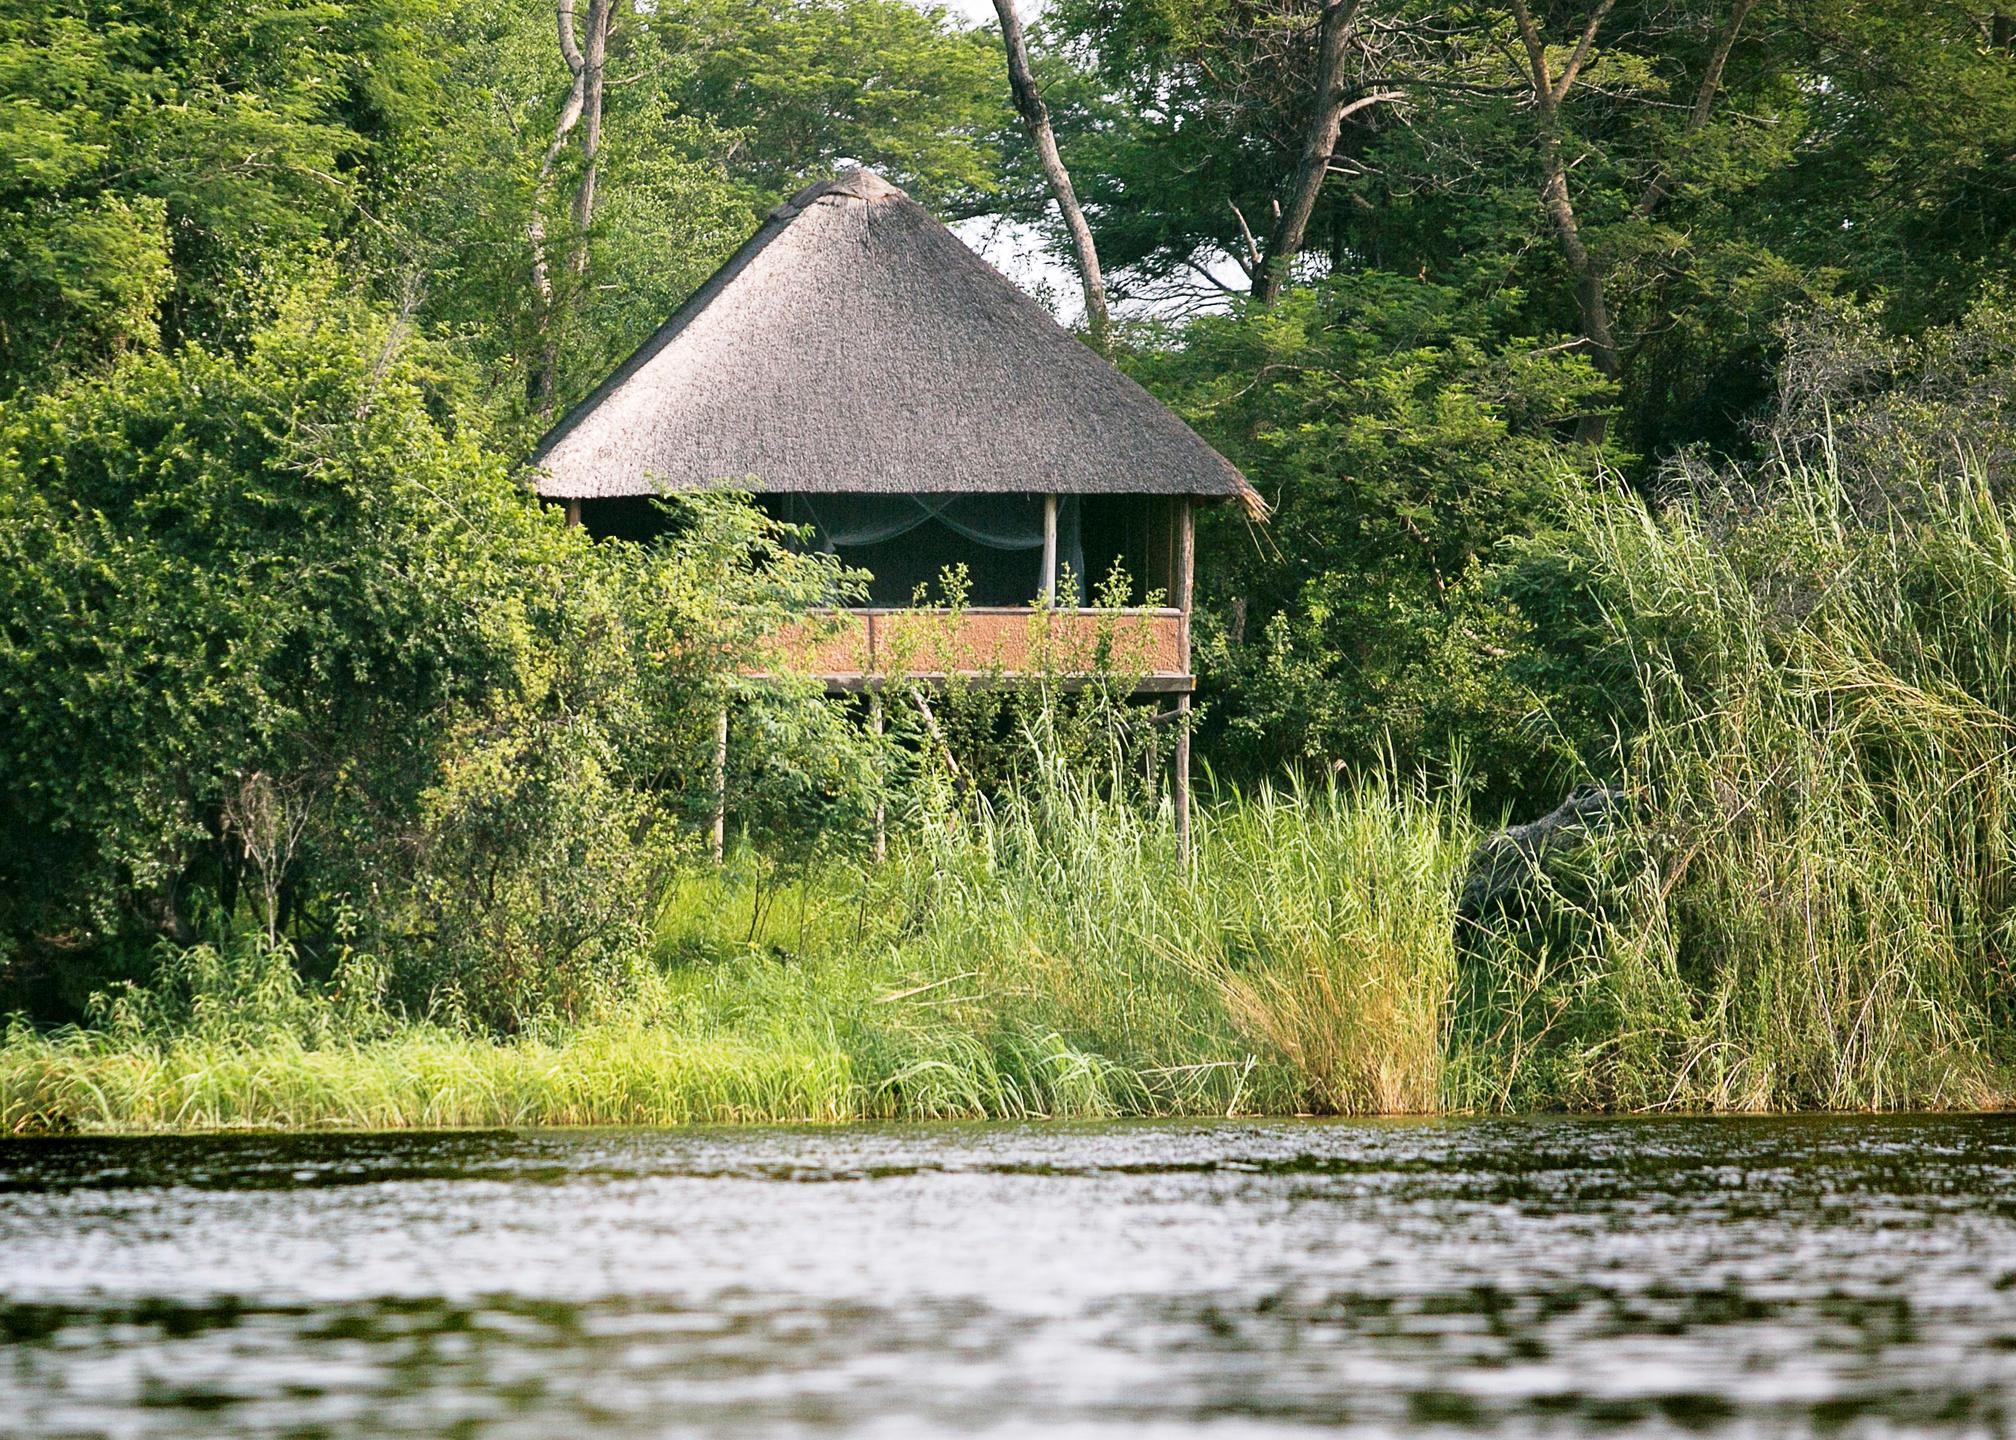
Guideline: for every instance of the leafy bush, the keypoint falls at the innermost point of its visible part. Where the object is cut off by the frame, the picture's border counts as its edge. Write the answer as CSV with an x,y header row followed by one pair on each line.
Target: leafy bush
x,y
285,645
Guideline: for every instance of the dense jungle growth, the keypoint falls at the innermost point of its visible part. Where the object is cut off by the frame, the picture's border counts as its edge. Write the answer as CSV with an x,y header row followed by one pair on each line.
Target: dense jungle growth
x,y
1633,386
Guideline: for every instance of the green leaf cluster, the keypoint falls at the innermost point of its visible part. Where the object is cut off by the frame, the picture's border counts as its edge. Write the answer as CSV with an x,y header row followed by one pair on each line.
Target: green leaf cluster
x,y
1405,434
285,644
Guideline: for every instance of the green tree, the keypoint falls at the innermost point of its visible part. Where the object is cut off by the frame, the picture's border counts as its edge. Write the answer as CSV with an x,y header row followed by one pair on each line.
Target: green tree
x,y
162,165
1403,433
711,111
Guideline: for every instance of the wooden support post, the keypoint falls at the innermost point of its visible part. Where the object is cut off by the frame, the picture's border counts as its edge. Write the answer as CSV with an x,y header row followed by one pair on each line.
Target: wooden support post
x,y
719,835
1150,744
573,509
881,803
1186,572
1049,589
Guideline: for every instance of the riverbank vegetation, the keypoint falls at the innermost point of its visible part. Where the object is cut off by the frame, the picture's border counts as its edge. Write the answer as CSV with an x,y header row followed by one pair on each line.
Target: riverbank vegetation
x,y
347,785
1803,901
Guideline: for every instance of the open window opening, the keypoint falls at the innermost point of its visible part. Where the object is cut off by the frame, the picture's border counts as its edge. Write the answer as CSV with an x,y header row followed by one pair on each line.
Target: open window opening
x,y
908,541
1139,534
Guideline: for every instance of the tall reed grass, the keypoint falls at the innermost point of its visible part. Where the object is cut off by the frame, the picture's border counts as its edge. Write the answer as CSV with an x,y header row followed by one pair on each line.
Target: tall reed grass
x,y
1813,908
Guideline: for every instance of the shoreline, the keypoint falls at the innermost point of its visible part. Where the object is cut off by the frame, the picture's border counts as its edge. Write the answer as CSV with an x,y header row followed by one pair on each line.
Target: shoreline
x,y
444,1084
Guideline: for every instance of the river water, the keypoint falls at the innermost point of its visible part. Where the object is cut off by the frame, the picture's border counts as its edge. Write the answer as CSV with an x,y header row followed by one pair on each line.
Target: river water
x,y
1838,1277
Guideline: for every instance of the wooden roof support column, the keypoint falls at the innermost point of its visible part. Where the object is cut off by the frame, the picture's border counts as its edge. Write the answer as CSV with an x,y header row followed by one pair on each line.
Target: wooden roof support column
x,y
1049,590
573,509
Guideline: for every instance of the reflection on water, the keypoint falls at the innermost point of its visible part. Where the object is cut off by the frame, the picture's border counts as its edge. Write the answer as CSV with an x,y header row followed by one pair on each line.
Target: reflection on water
x,y
1759,1277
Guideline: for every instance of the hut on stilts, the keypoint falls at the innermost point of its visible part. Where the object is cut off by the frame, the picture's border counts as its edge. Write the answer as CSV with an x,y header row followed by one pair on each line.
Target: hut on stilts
x,y
868,376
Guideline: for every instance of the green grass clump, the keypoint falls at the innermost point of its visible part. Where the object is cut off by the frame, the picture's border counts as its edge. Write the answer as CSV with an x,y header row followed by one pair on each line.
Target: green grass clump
x,y
1051,956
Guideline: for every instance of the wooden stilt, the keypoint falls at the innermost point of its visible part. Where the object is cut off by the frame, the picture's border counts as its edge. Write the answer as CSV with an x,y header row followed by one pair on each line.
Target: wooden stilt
x,y
881,801
719,837
573,510
1186,572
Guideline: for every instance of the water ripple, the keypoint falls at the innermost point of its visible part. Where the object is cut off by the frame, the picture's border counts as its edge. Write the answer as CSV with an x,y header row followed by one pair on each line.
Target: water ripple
x,y
1837,1277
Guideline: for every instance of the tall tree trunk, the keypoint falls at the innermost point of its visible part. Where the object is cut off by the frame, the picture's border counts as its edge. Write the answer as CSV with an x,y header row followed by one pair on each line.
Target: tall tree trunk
x,y
1549,90
1590,301
1319,142
584,100
1036,120
594,59
1704,97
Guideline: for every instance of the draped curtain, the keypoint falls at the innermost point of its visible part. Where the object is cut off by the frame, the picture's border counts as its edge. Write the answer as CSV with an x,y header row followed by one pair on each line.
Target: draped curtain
x,y
998,522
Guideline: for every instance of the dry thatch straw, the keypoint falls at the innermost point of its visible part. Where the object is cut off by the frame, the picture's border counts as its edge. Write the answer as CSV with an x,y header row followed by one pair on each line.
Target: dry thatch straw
x,y
856,344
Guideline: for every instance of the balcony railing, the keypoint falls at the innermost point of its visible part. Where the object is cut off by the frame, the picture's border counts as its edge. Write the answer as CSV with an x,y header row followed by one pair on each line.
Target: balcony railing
x,y
859,649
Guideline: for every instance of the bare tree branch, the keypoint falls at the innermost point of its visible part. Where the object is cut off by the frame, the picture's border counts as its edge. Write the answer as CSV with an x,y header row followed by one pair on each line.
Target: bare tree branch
x,y
1252,261
600,14
1333,41
1583,47
1548,93
1704,99
563,127
1036,119
584,101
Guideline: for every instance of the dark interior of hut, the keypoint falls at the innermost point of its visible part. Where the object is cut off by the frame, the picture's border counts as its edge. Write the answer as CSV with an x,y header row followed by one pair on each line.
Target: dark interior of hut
x,y
907,542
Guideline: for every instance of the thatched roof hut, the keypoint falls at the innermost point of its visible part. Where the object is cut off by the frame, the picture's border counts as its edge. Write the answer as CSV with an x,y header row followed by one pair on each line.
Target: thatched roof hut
x,y
882,387
855,345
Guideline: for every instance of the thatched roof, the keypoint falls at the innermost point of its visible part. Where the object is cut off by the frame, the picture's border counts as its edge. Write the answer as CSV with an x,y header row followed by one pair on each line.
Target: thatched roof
x,y
855,344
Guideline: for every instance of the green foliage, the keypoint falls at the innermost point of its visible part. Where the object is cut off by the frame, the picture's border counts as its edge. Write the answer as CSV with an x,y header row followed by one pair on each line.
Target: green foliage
x,y
168,172
980,734
1051,955
1403,433
1688,218
298,674
1047,957
154,157
282,636
1813,905
1900,186
714,110
280,568
885,83
1409,408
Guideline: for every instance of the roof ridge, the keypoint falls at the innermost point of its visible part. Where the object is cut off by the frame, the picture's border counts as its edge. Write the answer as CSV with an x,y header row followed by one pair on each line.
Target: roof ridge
x,y
859,183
